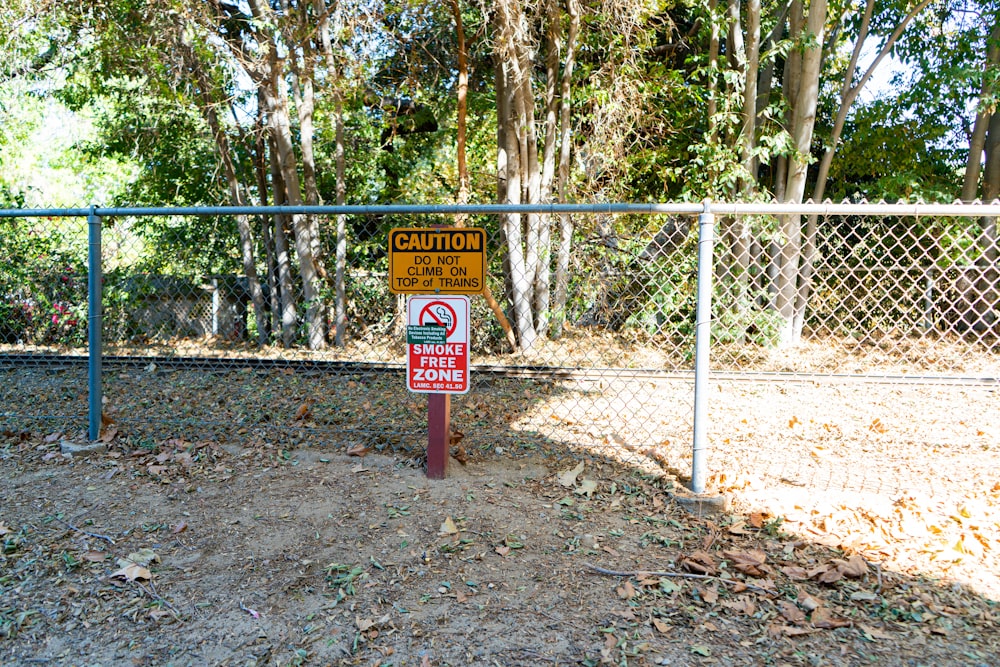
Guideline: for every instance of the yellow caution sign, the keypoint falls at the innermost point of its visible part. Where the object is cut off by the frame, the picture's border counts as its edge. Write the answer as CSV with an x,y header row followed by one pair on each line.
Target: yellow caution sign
x,y
446,260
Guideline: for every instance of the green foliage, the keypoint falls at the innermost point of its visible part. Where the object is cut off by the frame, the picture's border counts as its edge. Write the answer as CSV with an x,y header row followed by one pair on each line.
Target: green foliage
x,y
894,160
43,283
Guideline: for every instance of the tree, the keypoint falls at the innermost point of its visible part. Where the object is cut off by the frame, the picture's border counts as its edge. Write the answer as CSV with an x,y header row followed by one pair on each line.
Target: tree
x,y
527,151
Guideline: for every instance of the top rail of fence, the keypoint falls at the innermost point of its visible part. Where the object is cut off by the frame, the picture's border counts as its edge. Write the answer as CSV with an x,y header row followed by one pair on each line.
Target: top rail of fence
x,y
683,208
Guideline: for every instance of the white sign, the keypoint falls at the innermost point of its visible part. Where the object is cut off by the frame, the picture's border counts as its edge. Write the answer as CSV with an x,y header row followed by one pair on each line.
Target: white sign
x,y
435,367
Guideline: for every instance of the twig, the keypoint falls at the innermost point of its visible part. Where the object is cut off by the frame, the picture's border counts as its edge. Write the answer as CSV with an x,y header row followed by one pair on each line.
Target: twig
x,y
151,592
878,572
178,540
678,575
84,532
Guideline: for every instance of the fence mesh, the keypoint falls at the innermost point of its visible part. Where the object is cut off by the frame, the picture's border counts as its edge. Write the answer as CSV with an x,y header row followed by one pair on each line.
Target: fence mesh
x,y
896,362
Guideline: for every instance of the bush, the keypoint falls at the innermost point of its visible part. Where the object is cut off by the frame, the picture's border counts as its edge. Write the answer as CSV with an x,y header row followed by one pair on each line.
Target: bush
x,y
43,285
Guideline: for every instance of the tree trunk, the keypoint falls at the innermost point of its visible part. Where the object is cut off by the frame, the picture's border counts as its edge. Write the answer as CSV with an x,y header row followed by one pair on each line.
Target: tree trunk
x,y
281,130
520,280
525,177
987,301
267,237
565,129
803,120
515,120
711,108
463,169
276,102
977,142
242,223
340,270
261,168
286,290
235,194
751,72
848,94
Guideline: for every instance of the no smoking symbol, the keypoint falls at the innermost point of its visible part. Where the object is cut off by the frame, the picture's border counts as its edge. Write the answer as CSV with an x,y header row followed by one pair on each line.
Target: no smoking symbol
x,y
439,313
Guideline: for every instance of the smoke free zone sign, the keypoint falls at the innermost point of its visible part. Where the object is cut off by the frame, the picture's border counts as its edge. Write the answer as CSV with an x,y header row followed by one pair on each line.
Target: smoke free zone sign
x,y
437,337
437,260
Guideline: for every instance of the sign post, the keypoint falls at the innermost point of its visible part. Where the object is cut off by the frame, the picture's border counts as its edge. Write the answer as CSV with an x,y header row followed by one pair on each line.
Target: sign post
x,y
437,363
430,263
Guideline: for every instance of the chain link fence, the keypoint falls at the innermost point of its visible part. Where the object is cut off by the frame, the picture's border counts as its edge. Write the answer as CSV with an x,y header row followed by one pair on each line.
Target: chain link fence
x,y
877,354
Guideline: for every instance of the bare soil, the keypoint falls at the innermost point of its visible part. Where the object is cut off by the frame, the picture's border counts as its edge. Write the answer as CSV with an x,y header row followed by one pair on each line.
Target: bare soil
x,y
259,553
221,521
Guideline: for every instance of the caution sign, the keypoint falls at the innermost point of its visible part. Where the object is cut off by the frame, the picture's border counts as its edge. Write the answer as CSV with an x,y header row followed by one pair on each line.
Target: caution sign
x,y
442,365
448,260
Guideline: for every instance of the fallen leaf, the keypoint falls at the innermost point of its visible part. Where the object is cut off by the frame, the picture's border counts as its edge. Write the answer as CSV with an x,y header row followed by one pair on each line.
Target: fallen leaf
x,y
795,573
95,556
873,633
791,612
567,478
747,562
587,486
864,596
660,626
793,631
738,528
4,529
304,410
808,602
358,450
822,618
363,624
503,551
827,575
626,591
131,572
853,567
700,562
180,528
744,605
448,527
709,595
143,557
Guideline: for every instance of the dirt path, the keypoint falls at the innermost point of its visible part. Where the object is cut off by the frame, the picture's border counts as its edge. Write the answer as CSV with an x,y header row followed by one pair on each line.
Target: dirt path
x,y
264,554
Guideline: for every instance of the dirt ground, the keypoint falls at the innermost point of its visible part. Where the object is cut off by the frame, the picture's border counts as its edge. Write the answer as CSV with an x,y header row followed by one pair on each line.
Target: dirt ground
x,y
160,551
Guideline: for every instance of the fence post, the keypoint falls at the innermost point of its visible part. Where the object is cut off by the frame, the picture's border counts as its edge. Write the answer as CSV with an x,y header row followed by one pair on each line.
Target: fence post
x,y
94,321
703,336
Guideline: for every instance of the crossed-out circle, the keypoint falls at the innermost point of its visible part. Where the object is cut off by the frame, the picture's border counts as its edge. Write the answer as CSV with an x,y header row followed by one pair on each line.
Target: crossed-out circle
x,y
441,314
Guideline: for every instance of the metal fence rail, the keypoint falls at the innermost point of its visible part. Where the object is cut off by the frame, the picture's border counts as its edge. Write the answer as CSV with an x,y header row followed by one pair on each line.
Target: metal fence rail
x,y
902,295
